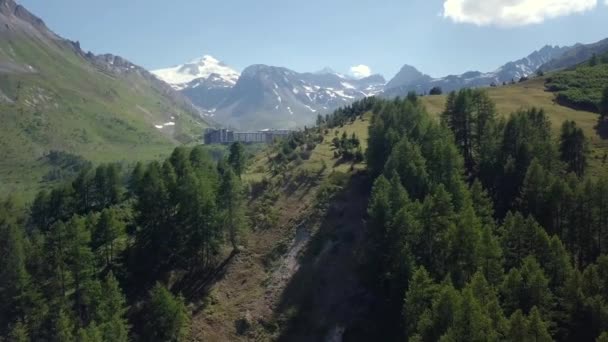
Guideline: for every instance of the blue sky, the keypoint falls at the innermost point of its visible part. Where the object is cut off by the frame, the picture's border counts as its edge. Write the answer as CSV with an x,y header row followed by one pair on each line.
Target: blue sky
x,y
309,35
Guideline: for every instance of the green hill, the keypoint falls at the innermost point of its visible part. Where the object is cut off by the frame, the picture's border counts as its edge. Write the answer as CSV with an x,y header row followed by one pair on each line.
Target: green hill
x,y
53,96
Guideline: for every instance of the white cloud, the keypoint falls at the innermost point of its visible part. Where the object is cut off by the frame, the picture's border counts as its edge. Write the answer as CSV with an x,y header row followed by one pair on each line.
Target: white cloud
x,y
360,71
512,12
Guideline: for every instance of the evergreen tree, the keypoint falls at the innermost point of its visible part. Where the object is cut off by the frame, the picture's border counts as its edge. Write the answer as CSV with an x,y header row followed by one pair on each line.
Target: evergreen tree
x,y
437,218
594,60
167,317
538,330
573,148
518,327
230,198
19,333
107,231
470,323
14,278
237,159
463,248
603,105
81,265
63,330
490,256
418,299
111,314
90,334
435,322
407,161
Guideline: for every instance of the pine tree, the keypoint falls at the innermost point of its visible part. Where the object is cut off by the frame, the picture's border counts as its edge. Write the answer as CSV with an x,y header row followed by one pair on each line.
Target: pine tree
x,y
64,327
463,245
491,258
90,334
167,317
600,199
111,314
19,333
407,161
437,218
594,60
526,288
518,327
237,158
538,330
441,315
84,191
108,229
230,199
603,106
81,265
573,148
470,323
14,278
418,298
137,175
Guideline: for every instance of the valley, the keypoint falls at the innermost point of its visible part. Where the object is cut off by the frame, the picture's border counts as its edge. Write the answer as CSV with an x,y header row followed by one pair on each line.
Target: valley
x,y
205,202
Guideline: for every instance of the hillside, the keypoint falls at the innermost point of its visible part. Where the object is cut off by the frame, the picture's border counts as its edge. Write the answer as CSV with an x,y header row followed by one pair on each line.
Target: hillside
x,y
54,96
581,87
532,93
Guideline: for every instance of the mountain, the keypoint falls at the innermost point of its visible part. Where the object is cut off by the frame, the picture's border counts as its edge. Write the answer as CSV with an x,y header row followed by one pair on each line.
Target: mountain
x,y
54,96
267,96
576,55
196,72
410,79
205,81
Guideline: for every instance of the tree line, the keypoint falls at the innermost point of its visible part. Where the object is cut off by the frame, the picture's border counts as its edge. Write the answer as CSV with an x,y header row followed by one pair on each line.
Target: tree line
x,y
484,228
89,260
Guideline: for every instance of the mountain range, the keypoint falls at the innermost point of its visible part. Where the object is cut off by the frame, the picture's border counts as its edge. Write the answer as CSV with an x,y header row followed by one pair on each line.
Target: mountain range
x,y
409,79
265,96
42,72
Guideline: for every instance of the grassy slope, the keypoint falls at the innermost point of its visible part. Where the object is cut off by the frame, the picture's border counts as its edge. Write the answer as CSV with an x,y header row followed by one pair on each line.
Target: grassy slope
x,y
70,105
529,94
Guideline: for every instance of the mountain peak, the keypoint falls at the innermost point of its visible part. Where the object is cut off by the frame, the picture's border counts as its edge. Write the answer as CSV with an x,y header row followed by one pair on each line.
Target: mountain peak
x,y
206,59
407,75
179,76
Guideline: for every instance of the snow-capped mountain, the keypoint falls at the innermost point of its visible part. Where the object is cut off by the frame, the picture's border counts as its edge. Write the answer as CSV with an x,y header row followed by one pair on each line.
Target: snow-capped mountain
x,y
265,96
268,96
198,71
410,79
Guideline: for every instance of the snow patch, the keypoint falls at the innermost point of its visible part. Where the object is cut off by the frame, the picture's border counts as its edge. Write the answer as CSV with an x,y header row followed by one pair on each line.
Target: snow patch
x,y
310,108
161,126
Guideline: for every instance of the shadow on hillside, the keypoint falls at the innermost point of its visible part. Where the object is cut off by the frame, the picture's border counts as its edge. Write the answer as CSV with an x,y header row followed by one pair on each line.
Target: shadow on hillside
x,y
326,297
195,285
